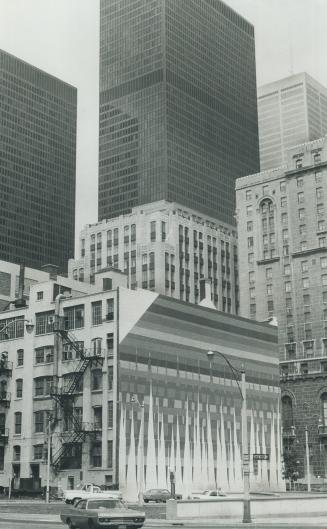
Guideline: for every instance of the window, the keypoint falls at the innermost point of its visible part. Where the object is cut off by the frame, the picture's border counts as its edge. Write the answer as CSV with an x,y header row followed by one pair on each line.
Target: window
x,y
288,286
19,388
14,330
323,262
305,282
249,210
44,322
110,454
39,295
96,379
20,357
285,251
265,239
251,258
268,273
284,218
251,277
318,177
16,453
153,230
320,209
321,225
18,422
96,312
110,378
303,246
306,300
272,238
42,386
44,354
252,293
249,225
163,231
97,417
269,290
298,163
265,190
308,348
264,224
285,235
322,242
300,198
74,317
248,194
304,266
283,202
324,280
270,307
282,187
303,230
319,192
96,455
316,157
40,418
38,451
110,414
110,309
299,181
250,242
301,214
287,270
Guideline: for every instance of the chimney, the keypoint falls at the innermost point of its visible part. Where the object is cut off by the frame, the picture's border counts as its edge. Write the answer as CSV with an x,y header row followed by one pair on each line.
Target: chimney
x,y
20,301
51,269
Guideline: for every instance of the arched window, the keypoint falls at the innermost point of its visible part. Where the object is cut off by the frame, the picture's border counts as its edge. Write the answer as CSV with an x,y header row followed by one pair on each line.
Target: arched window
x,y
287,412
16,454
267,218
323,399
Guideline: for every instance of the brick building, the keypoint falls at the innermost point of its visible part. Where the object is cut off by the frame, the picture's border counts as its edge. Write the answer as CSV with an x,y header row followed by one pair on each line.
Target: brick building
x,y
282,233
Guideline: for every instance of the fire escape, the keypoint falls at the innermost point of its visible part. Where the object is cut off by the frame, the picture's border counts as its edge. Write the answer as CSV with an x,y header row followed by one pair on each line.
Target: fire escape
x,y
64,396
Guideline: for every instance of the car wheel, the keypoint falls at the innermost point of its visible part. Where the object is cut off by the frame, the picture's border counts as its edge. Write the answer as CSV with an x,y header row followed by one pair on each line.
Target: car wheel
x,y
70,524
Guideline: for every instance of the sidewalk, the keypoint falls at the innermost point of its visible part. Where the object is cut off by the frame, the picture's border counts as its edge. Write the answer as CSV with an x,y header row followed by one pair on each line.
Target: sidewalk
x,y
305,522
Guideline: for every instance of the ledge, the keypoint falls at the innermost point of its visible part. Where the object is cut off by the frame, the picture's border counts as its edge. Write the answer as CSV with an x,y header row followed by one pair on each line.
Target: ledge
x,y
268,261
306,169
310,251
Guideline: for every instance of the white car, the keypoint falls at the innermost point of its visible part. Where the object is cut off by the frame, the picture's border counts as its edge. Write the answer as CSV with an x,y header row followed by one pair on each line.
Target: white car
x,y
209,494
87,491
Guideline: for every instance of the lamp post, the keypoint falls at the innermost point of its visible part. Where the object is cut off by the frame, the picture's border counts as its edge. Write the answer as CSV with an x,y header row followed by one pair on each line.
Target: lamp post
x,y
134,400
47,494
245,456
28,324
307,454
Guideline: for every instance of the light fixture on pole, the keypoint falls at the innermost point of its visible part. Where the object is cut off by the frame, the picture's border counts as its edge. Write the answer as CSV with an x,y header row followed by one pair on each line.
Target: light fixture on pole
x,y
47,495
245,455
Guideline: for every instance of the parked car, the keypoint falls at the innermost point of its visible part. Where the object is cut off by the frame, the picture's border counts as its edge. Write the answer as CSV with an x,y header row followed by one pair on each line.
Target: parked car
x,y
85,491
208,494
159,495
107,513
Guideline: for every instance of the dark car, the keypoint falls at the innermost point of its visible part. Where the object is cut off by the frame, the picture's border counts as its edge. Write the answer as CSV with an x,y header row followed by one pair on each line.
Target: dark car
x,y
110,513
159,495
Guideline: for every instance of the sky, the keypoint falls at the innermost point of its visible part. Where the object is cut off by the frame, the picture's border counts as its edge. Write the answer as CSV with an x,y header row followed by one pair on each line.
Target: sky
x,y
62,38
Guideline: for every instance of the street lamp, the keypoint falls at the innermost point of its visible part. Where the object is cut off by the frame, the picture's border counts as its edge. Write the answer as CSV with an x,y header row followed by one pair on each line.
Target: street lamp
x,y
28,324
47,494
245,456
135,400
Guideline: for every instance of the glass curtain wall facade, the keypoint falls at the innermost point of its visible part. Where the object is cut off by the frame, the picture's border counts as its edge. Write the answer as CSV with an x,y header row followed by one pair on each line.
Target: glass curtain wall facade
x,y
37,165
178,112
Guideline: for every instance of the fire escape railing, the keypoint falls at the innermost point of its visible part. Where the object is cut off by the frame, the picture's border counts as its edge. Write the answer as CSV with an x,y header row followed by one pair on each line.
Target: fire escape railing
x,y
65,395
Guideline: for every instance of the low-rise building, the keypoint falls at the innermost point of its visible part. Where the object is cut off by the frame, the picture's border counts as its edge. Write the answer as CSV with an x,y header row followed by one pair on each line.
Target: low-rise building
x,y
282,230
118,383
165,248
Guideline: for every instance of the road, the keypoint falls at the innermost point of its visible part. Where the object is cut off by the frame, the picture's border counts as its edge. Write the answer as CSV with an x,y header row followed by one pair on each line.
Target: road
x,y
6,524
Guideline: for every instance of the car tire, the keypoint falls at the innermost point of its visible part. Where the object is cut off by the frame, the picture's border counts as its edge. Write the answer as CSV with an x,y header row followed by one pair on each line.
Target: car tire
x,y
70,524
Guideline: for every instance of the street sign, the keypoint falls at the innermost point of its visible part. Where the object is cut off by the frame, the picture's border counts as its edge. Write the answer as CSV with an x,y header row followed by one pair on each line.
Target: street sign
x,y
260,457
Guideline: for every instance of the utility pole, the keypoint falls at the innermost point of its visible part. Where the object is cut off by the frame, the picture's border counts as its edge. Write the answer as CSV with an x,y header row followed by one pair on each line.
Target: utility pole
x,y
47,496
307,458
245,447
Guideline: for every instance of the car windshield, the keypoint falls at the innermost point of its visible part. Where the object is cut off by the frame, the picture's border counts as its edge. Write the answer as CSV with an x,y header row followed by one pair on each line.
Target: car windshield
x,y
105,504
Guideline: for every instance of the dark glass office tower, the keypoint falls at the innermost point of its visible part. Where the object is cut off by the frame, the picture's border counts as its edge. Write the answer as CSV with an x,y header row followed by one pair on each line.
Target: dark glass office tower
x,y
178,109
37,165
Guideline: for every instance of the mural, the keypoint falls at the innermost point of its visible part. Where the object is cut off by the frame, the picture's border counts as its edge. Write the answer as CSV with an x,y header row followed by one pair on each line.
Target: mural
x,y
209,455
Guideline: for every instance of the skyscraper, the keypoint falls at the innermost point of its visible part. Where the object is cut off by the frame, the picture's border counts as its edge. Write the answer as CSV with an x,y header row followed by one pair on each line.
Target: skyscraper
x,y
178,110
37,165
290,111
